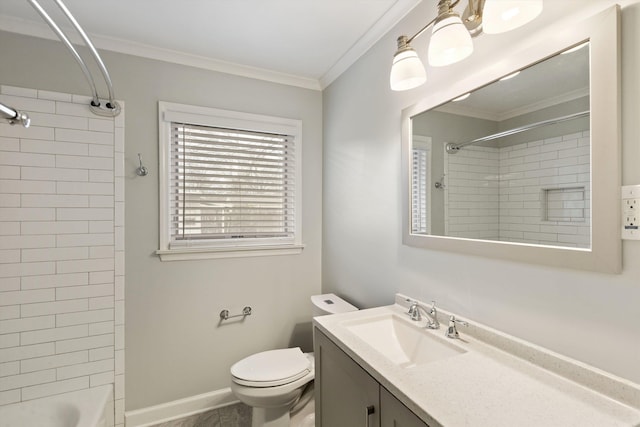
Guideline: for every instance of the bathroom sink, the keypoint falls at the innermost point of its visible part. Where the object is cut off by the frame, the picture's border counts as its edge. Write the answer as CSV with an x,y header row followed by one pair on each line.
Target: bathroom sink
x,y
402,343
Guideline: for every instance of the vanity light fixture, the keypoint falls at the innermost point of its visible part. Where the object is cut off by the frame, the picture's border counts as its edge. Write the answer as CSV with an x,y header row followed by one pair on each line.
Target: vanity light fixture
x,y
407,71
451,35
500,16
450,41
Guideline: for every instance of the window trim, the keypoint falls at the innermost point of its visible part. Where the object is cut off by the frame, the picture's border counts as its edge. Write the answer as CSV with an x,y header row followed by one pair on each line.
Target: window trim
x,y
171,112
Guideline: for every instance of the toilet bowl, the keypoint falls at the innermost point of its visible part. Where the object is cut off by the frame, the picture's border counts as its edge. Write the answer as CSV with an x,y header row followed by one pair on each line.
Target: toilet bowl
x,y
273,382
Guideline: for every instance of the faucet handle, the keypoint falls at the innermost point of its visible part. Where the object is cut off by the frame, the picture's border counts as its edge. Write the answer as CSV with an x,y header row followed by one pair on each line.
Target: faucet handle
x,y
414,311
433,308
412,306
452,331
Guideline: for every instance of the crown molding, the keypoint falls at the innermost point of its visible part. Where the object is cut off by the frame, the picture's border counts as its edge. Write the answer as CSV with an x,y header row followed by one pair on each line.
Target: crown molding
x,y
480,113
41,30
549,102
390,19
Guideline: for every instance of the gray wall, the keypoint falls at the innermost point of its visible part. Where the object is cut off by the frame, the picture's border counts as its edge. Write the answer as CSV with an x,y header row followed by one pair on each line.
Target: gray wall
x,y
444,128
588,316
174,345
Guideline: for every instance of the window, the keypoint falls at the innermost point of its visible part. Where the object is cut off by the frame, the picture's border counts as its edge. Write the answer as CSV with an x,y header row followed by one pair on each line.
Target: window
x,y
421,185
230,183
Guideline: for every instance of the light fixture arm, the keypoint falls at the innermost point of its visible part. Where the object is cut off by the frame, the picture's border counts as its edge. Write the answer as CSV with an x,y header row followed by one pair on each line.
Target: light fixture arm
x,y
444,6
422,30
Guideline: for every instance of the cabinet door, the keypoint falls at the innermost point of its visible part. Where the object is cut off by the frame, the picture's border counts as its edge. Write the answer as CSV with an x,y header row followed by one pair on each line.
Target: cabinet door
x,y
394,414
346,396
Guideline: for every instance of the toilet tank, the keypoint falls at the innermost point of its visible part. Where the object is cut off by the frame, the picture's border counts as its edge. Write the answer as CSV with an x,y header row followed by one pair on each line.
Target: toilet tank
x,y
330,304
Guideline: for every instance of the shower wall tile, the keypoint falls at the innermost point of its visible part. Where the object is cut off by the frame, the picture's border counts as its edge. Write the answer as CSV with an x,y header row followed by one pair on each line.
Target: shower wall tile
x,y
101,125
101,353
41,363
60,121
9,368
53,96
62,248
29,104
20,91
559,169
8,340
101,302
48,147
10,312
64,386
34,132
10,396
536,192
87,343
27,324
83,136
56,307
472,193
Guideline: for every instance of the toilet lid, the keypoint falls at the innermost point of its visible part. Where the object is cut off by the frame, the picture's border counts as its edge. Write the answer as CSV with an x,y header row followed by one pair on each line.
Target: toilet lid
x,y
273,367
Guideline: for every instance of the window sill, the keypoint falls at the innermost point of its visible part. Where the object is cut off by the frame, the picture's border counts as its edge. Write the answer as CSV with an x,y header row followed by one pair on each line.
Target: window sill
x,y
184,254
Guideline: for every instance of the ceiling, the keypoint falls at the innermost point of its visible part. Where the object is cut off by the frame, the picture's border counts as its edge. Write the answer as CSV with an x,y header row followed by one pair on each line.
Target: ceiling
x,y
561,78
306,43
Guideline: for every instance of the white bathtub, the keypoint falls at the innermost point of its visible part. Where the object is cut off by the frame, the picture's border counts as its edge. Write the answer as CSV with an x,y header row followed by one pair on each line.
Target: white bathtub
x,y
84,408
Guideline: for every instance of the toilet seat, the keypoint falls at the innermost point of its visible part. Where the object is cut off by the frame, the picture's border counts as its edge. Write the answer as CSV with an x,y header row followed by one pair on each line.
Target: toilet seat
x,y
271,368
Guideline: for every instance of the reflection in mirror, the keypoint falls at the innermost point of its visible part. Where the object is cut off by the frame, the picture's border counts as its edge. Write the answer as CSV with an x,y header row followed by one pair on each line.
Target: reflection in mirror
x,y
511,161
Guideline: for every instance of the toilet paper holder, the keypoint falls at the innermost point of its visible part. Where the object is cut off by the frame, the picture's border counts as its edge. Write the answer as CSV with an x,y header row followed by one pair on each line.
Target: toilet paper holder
x,y
224,314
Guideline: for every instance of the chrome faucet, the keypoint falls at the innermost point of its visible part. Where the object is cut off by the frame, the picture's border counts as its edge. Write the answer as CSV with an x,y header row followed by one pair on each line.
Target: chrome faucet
x,y
452,331
432,314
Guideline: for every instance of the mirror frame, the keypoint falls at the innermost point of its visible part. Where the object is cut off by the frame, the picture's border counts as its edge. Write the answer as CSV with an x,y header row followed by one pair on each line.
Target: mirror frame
x,y
605,254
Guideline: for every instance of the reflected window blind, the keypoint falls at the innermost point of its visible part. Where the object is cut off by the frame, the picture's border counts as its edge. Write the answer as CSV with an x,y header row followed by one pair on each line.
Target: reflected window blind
x,y
419,182
230,184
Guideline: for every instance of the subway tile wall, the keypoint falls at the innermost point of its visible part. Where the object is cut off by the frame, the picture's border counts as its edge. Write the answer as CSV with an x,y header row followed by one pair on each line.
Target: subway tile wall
x,y
472,193
545,191
536,192
61,249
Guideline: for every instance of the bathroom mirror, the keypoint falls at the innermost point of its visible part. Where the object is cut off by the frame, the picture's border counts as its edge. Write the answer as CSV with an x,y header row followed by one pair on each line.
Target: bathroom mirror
x,y
509,161
525,164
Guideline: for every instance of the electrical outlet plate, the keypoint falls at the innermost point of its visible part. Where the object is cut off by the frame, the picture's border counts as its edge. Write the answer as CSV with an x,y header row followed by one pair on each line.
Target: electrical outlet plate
x,y
631,212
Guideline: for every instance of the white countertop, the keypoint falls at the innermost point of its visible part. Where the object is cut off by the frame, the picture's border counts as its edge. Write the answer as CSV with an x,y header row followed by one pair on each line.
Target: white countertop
x,y
488,385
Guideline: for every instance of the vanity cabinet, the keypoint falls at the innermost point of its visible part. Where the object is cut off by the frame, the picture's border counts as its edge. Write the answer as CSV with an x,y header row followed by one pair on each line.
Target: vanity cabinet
x,y
347,396
394,414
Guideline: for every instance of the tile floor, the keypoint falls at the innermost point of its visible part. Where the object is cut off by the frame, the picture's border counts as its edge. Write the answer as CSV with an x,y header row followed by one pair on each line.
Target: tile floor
x,y
238,415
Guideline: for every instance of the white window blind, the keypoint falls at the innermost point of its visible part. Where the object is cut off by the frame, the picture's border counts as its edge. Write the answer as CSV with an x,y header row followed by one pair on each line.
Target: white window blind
x,y
229,184
419,191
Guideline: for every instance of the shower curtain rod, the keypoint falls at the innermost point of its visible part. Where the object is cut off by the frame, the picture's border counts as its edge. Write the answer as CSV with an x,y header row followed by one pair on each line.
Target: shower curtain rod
x,y
454,148
14,116
111,108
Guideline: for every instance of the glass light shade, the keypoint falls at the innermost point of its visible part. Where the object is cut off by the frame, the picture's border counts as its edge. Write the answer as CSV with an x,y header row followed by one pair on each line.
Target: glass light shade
x,y
499,16
450,42
407,71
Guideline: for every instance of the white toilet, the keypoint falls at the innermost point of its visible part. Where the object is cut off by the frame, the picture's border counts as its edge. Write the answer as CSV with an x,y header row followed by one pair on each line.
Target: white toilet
x,y
273,382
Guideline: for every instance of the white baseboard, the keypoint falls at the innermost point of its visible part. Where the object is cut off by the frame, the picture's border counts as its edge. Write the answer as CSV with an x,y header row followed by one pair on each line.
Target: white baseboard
x,y
179,408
